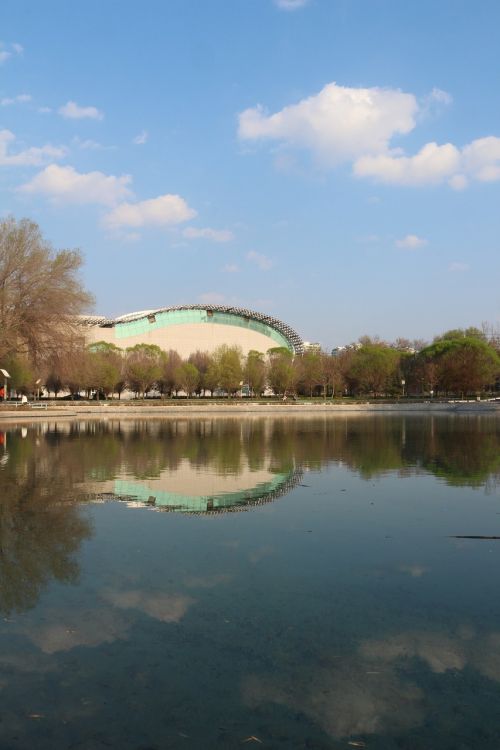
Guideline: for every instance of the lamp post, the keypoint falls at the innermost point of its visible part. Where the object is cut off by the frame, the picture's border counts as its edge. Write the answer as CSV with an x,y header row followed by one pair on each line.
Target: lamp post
x,y
403,383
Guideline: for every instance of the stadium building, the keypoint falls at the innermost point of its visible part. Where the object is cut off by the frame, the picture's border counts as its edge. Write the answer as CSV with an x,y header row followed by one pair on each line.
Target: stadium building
x,y
188,328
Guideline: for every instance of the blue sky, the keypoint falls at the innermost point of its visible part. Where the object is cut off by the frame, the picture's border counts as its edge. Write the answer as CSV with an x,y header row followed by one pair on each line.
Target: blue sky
x,y
334,163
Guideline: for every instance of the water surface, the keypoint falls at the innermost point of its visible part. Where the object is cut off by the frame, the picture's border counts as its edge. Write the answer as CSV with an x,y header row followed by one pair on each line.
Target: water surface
x,y
222,583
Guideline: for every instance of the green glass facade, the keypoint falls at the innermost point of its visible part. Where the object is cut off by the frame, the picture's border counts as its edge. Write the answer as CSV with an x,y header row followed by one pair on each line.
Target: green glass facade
x,y
179,317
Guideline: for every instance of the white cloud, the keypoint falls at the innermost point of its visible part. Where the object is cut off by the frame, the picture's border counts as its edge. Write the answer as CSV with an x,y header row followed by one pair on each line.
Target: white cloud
x,y
432,165
33,156
411,242
67,185
19,99
4,55
342,124
481,159
291,4
73,111
260,260
18,48
337,124
215,235
231,268
458,267
142,138
44,110
212,298
165,210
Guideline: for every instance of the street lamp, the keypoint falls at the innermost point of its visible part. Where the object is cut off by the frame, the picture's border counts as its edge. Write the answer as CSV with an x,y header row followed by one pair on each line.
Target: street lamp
x,y
5,378
403,383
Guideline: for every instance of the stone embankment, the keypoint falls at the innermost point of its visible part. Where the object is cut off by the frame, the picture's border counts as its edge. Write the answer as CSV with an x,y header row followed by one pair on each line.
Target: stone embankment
x,y
237,408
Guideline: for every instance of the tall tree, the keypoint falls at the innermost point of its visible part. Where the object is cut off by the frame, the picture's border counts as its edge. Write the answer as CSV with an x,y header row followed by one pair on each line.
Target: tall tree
x,y
40,292
311,371
465,364
188,377
226,369
373,369
201,360
255,372
168,381
142,367
282,373
106,366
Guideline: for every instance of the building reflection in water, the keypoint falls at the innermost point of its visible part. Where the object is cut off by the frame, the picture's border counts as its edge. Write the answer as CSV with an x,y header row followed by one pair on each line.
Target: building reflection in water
x,y
157,495
49,470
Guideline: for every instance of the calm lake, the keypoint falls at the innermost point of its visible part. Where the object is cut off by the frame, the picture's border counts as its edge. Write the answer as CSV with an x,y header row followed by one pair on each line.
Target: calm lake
x,y
225,583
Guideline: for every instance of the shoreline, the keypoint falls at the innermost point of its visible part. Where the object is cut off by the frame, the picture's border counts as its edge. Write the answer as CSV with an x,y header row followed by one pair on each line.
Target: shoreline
x,y
110,410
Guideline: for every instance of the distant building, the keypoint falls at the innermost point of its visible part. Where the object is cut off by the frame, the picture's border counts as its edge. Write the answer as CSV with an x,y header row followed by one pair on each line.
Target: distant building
x,y
309,346
339,349
188,328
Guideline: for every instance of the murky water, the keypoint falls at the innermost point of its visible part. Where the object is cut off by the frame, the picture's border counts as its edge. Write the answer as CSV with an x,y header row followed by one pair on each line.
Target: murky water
x,y
224,583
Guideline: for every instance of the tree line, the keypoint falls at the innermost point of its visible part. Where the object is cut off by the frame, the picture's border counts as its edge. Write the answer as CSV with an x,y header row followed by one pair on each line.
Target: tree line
x,y
457,363
42,343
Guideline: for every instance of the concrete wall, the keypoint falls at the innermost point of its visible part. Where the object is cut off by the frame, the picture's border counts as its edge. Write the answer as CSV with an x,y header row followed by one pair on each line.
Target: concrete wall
x,y
188,338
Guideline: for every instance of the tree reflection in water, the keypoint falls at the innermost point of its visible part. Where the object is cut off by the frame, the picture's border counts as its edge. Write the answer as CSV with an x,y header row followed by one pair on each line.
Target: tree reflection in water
x,y
41,526
43,475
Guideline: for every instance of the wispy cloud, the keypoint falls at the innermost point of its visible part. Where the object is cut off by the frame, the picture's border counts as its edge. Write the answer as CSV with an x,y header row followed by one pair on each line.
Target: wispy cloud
x,y
230,268
260,260
19,99
411,242
87,144
33,156
73,111
457,267
432,105
7,51
368,239
291,4
206,233
142,138
212,298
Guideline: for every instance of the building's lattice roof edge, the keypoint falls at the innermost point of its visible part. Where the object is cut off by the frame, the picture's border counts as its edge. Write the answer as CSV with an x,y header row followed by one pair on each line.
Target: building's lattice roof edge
x,y
289,333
